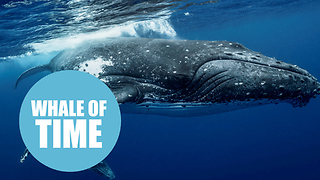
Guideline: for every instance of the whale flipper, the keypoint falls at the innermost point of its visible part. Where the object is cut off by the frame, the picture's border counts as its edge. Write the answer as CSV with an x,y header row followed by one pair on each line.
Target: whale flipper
x,y
104,170
32,71
24,155
101,168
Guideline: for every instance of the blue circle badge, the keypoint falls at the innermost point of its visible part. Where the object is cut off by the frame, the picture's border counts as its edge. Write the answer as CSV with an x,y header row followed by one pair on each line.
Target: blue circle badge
x,y
70,121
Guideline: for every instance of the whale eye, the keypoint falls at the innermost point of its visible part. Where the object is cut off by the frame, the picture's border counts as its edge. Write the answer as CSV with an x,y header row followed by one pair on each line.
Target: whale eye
x,y
176,81
180,77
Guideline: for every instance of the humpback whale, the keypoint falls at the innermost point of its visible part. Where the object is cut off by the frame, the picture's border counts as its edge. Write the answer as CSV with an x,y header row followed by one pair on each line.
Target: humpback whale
x,y
185,77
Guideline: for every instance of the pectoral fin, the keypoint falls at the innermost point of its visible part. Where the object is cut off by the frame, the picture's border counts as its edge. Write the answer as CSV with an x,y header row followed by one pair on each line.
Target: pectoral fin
x,y
24,155
104,170
31,72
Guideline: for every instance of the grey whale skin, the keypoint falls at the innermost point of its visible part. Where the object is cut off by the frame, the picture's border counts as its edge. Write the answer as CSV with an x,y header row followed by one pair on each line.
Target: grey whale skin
x,y
186,77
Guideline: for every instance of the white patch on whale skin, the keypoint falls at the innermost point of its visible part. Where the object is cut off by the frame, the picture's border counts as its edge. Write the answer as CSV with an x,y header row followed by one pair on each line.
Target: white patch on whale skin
x,y
95,66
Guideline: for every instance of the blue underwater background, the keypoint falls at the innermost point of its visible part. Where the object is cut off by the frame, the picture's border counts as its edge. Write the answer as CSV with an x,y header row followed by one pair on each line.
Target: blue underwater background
x,y
266,142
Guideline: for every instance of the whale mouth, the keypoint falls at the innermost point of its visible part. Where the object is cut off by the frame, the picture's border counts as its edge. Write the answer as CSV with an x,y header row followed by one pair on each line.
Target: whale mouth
x,y
231,80
272,63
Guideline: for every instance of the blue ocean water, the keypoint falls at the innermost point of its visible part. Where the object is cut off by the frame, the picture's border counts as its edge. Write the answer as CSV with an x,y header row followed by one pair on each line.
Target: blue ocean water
x,y
266,142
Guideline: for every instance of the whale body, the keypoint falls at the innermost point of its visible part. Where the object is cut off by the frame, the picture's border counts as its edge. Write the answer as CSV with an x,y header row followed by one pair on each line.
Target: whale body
x,y
185,77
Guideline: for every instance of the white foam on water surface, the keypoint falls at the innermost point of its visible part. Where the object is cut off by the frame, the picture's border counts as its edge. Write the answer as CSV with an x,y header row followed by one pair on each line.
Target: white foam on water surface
x,y
149,28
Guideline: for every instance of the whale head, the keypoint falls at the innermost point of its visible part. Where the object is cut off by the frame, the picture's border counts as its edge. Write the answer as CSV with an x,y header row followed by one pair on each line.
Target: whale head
x,y
233,73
